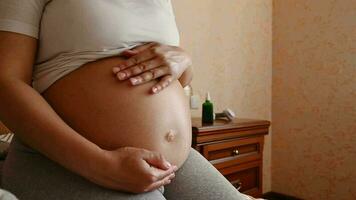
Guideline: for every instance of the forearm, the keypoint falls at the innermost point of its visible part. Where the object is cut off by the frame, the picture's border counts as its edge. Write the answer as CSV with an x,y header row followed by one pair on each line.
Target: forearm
x,y
186,77
30,117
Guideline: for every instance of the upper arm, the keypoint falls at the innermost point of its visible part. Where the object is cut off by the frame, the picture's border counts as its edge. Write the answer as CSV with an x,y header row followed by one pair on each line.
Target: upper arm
x,y
17,55
19,28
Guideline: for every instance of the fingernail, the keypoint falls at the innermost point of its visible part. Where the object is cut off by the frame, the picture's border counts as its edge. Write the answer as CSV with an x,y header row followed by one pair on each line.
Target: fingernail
x,y
175,168
154,89
134,81
115,70
136,71
121,75
168,164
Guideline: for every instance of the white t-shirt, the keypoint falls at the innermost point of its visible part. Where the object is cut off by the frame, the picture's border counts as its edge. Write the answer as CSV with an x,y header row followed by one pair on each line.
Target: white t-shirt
x,y
74,32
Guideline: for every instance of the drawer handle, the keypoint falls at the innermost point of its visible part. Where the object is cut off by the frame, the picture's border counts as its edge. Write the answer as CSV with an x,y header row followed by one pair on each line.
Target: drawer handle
x,y
235,152
237,184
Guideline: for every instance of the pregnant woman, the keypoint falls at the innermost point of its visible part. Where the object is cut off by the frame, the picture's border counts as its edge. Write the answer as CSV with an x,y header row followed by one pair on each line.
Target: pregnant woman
x,y
93,90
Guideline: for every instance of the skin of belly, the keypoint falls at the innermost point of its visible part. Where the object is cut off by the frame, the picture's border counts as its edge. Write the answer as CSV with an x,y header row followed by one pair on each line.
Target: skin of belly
x,y
113,113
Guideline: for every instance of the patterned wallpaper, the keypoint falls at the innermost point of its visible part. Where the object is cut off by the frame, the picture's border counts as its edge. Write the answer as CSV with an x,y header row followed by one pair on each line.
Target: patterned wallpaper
x,y
314,99
231,45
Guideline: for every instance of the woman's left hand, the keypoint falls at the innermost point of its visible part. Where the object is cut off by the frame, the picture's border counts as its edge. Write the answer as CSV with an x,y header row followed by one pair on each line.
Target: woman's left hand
x,y
151,61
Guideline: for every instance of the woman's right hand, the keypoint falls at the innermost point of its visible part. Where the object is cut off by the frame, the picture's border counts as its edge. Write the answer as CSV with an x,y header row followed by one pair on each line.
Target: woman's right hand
x,y
134,170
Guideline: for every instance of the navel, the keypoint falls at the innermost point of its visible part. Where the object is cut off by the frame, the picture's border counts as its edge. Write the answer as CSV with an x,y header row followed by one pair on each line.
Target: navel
x,y
171,135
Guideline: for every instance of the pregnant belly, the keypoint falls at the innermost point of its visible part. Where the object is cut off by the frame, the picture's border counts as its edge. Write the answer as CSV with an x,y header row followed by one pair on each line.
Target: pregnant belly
x,y
114,114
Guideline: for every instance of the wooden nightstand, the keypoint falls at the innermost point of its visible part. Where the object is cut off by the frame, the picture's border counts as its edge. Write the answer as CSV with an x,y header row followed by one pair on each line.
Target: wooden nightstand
x,y
235,148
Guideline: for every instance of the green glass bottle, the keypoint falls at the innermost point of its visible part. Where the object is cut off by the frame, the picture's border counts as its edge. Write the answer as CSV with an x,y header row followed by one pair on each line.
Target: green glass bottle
x,y
207,110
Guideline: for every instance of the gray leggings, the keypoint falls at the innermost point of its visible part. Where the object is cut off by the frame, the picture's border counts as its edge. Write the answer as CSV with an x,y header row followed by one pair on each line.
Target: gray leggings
x,y
31,176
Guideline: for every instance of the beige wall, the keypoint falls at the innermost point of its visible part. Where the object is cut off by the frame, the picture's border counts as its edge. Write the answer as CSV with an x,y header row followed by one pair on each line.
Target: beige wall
x,y
314,95
231,45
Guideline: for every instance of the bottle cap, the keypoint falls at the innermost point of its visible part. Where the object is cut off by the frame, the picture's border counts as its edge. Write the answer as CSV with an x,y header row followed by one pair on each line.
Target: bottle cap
x,y
208,96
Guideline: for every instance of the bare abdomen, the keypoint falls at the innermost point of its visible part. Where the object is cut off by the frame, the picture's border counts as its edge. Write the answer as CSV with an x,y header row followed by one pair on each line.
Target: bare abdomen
x,y
113,114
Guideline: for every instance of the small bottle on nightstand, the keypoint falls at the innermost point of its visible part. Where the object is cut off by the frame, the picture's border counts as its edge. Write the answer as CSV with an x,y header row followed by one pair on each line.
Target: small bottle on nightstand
x,y
207,110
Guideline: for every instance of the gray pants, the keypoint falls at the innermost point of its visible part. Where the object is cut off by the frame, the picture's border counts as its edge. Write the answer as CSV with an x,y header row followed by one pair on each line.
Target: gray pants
x,y
31,176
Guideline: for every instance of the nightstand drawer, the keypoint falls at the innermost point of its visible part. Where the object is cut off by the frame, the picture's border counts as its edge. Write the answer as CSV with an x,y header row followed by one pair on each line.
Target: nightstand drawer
x,y
235,148
246,178
233,152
